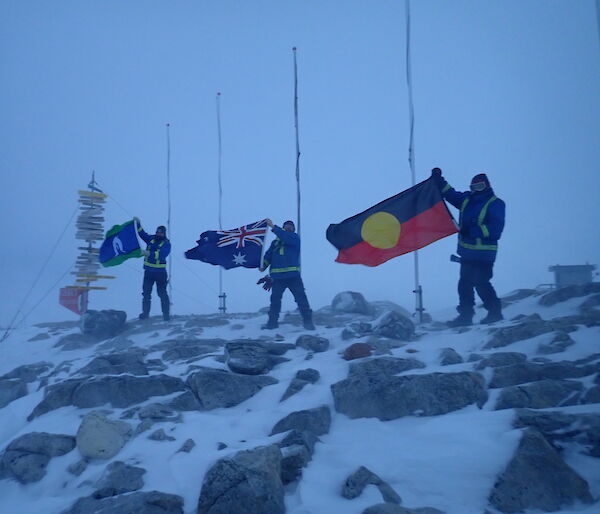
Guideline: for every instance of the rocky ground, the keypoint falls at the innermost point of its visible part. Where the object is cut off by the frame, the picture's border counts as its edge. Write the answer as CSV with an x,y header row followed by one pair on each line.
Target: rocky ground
x,y
368,414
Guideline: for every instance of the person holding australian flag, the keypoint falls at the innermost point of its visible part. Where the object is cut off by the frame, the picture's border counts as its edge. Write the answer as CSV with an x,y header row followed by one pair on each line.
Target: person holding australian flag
x,y
155,269
283,260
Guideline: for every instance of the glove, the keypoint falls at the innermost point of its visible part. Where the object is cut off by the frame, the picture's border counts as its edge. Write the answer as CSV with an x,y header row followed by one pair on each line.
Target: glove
x,y
436,175
137,220
146,253
267,282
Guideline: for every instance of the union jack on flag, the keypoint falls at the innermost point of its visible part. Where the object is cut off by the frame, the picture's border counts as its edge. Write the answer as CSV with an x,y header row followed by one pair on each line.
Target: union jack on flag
x,y
241,246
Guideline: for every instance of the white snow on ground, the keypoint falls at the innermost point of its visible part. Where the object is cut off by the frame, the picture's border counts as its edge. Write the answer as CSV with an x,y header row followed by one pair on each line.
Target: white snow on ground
x,y
449,462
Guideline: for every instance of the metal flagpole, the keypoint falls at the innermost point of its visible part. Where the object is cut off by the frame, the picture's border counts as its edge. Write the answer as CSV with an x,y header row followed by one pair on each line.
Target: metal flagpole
x,y
411,158
297,138
598,17
222,295
169,208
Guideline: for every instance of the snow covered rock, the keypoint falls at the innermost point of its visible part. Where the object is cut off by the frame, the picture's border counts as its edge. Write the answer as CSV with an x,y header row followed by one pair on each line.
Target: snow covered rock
x,y
566,293
365,394
254,357
99,437
313,343
297,448
303,377
216,388
28,372
357,481
540,395
184,349
356,329
523,372
131,362
103,324
316,421
152,502
27,457
537,478
525,328
118,391
247,483
498,359
560,342
395,325
11,389
393,508
350,302
119,478
449,356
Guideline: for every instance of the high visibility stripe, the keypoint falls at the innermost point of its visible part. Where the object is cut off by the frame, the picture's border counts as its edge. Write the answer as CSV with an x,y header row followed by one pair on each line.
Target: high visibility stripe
x,y
153,265
483,212
478,246
283,270
446,187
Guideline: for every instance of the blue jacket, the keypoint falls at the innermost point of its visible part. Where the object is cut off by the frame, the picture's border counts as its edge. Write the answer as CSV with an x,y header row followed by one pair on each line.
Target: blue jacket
x,y
283,256
159,250
481,223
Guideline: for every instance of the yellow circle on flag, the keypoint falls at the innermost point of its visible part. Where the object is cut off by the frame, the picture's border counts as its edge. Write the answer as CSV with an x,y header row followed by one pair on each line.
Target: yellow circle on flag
x,y
381,230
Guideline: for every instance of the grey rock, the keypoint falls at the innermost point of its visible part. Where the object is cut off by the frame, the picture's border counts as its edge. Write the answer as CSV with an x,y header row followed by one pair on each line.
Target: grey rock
x,y
592,395
519,294
185,349
316,421
27,457
39,337
160,435
118,391
537,478
592,302
76,468
356,329
72,342
449,356
560,342
540,395
297,448
159,412
309,374
102,324
206,321
350,302
99,437
498,359
526,328
247,483
254,357
28,372
532,371
131,362
119,478
357,481
313,343
296,385
368,395
395,325
187,447
152,502
11,389
384,366
566,293
216,388
185,402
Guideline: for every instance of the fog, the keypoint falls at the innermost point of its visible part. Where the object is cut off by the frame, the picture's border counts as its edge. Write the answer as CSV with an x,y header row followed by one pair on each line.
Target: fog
x,y
509,88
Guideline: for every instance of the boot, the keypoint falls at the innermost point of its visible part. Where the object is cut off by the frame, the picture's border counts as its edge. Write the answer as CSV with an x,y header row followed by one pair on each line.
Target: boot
x,y
272,324
462,320
492,317
307,322
143,315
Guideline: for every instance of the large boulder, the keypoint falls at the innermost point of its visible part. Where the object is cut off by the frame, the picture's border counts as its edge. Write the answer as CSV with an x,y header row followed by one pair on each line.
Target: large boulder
x,y
99,437
11,389
216,388
395,325
254,357
118,391
523,372
537,478
151,502
297,448
366,393
540,395
26,458
350,302
247,483
316,421
102,324
119,478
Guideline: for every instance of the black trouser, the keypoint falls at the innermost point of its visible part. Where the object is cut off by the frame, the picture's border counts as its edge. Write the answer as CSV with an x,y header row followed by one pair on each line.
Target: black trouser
x,y
160,278
475,275
296,287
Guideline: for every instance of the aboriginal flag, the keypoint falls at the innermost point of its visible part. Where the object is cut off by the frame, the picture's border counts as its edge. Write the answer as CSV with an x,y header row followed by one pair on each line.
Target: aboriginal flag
x,y
403,223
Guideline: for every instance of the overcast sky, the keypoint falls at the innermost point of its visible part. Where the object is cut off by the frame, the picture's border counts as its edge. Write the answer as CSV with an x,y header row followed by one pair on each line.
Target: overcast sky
x,y
510,88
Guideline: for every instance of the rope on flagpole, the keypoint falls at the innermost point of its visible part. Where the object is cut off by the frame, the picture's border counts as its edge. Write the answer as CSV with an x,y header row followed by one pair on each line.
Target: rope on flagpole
x,y
297,137
169,209
411,157
222,295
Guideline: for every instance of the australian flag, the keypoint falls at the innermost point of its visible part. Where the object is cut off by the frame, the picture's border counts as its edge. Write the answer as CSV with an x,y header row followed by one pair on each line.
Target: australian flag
x,y
231,248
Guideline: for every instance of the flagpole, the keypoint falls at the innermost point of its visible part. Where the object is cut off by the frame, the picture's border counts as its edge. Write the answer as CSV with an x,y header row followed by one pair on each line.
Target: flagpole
x,y
411,158
169,209
297,138
222,295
